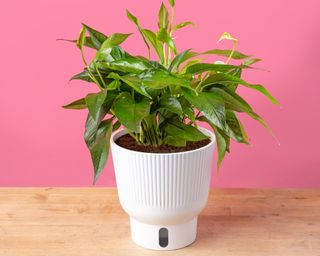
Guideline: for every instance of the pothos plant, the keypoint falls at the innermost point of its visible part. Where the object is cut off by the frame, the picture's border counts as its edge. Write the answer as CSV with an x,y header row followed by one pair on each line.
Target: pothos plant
x,y
160,101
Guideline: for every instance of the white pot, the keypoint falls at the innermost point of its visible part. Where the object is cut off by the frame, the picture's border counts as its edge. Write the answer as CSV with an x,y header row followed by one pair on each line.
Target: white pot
x,y
163,193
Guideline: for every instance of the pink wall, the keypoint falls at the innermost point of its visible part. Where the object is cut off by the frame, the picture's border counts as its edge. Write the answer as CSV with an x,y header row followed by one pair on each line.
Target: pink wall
x,y
41,144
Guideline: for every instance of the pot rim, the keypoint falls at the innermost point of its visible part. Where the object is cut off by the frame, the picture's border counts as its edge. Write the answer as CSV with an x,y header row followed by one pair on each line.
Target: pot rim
x,y
121,132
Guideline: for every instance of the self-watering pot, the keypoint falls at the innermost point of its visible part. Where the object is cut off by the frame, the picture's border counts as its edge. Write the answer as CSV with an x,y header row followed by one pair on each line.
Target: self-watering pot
x,y
163,193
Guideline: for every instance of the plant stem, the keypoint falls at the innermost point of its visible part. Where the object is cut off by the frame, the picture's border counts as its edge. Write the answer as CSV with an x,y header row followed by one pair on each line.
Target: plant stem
x,y
232,52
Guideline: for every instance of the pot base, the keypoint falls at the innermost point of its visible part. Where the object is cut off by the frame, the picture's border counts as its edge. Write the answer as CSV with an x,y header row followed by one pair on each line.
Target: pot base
x,y
164,237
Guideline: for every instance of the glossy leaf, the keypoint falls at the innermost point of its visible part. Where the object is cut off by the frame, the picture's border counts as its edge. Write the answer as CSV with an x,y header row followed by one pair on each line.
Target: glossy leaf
x,y
187,108
222,77
155,42
164,37
129,112
127,65
136,22
178,60
97,38
170,103
232,100
113,85
78,104
156,79
163,17
234,85
222,140
114,40
203,67
136,85
182,25
99,150
109,55
236,129
210,105
183,131
226,53
94,102
84,75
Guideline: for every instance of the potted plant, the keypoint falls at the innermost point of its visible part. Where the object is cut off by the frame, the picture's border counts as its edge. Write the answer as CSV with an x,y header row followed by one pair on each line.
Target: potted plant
x,y
162,159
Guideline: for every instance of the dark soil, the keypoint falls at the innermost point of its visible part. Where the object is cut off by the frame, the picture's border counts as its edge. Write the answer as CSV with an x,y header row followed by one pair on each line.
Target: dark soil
x,y
126,141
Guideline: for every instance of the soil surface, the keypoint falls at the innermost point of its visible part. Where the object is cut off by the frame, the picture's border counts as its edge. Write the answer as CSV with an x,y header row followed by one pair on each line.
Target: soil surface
x,y
126,141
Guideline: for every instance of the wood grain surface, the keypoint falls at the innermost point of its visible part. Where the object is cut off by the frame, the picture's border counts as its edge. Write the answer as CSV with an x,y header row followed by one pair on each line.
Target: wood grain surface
x,y
90,221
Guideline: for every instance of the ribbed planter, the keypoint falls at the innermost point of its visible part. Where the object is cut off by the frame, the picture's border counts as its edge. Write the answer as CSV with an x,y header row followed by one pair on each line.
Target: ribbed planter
x,y
163,193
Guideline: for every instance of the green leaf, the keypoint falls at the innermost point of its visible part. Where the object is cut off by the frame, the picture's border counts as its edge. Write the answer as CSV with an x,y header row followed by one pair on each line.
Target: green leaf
x,y
78,104
227,36
133,83
234,85
81,39
182,131
174,141
100,103
156,79
222,140
236,129
226,53
178,60
163,17
251,61
170,103
136,22
109,55
84,75
113,85
116,126
187,108
127,65
132,17
155,42
97,38
114,40
182,25
231,99
188,64
171,2
222,145
264,124
209,104
129,112
99,150
87,42
164,37
221,78
203,67
94,102
91,130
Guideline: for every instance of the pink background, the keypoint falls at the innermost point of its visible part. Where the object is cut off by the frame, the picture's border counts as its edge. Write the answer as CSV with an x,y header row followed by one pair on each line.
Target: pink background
x,y
42,144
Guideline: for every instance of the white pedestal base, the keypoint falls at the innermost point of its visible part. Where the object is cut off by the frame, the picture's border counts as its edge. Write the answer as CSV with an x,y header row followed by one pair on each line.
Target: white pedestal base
x,y
163,237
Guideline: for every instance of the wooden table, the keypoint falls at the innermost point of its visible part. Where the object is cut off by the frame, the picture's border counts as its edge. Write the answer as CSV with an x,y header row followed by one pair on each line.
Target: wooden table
x,y
90,221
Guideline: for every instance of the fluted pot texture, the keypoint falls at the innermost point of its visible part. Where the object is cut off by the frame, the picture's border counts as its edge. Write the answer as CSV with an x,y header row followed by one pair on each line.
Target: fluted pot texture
x,y
163,193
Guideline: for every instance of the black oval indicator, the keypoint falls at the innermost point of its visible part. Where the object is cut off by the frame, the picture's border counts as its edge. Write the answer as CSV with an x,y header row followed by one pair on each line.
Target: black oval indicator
x,y
163,237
